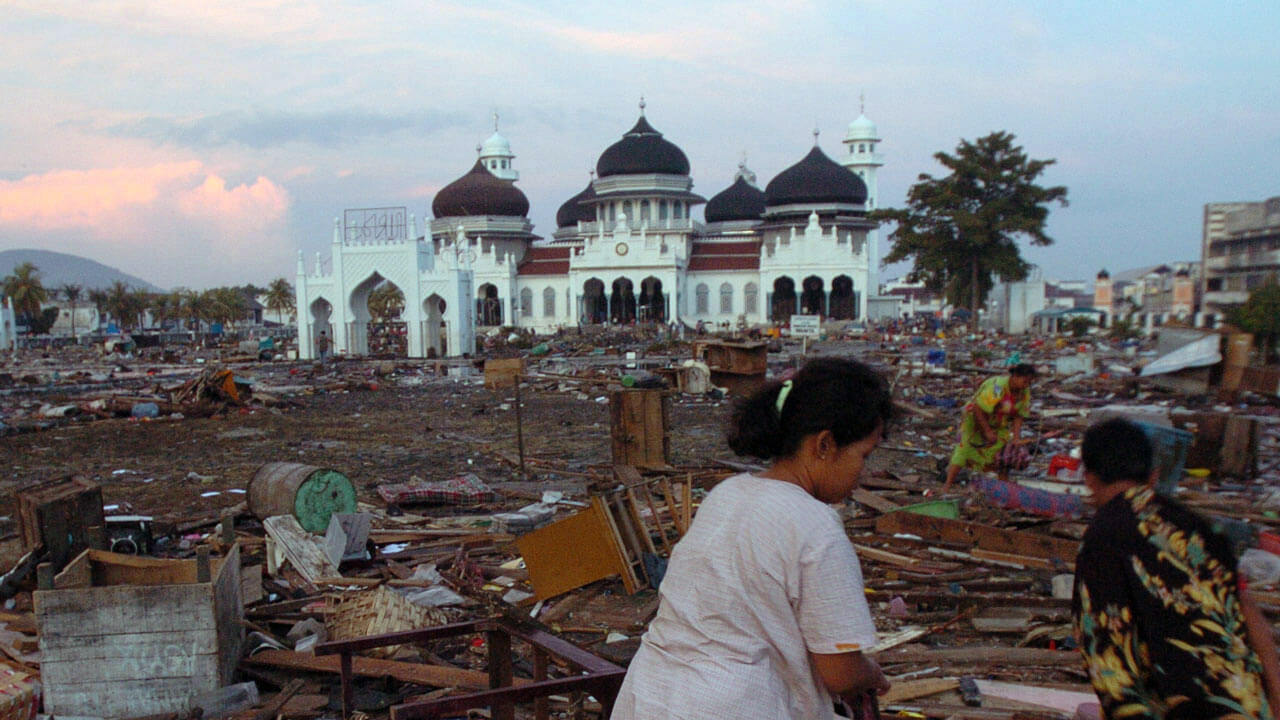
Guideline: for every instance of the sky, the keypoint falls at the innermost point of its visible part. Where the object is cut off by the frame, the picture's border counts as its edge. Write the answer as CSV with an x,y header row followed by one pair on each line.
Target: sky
x,y
197,143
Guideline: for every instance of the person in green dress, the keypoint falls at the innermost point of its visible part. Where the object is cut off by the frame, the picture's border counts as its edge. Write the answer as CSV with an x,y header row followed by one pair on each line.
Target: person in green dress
x,y
992,425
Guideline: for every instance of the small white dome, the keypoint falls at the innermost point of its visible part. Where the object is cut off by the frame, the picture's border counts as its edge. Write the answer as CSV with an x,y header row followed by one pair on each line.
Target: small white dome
x,y
862,129
496,146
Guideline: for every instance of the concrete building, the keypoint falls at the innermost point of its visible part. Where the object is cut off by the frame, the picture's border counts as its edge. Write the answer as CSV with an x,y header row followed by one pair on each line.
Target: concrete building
x,y
1240,250
627,248
8,325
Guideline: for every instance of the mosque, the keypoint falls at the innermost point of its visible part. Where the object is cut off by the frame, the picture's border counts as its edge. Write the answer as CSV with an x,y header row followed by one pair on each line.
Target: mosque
x,y
627,248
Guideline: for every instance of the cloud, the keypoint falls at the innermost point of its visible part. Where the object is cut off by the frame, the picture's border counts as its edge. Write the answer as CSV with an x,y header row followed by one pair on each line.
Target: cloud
x,y
170,223
260,129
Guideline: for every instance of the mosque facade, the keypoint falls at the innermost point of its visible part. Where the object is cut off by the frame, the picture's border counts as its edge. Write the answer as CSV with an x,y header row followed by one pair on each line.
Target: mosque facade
x,y
626,249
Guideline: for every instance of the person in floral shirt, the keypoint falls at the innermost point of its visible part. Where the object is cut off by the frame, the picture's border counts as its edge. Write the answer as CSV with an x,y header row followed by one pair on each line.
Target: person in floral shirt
x,y
1161,614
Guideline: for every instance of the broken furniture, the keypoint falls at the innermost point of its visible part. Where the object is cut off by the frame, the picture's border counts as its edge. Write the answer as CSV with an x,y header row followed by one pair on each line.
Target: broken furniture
x,y
739,366
64,517
626,521
638,428
592,675
126,636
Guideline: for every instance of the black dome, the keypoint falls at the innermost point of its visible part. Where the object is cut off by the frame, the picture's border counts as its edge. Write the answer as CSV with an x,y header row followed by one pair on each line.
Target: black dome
x,y
815,179
479,192
641,151
573,211
739,201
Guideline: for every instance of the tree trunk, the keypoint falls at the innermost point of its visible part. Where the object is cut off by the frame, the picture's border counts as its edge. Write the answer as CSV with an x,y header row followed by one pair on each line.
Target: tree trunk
x,y
973,294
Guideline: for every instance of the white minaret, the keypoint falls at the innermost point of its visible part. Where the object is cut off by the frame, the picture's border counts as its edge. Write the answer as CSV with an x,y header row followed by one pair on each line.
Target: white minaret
x,y
862,158
496,154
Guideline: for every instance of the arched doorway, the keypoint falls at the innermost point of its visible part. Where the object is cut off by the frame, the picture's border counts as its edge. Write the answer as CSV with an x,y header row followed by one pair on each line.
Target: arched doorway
x,y
595,307
622,302
387,334
321,311
783,305
435,331
488,305
653,306
844,305
813,301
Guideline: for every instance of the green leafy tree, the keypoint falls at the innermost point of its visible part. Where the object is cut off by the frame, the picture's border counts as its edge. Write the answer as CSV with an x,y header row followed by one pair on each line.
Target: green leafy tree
x,y
98,298
1260,315
960,230
119,303
26,291
386,302
140,301
71,292
280,297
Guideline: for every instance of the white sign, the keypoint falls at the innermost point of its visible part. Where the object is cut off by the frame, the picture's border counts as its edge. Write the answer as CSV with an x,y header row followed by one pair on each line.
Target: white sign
x,y
806,326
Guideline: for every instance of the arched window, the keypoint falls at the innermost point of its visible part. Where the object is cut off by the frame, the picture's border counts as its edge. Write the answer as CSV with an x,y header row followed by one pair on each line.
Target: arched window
x,y
549,302
700,299
726,299
526,303
749,295
644,211
675,210
662,210
626,209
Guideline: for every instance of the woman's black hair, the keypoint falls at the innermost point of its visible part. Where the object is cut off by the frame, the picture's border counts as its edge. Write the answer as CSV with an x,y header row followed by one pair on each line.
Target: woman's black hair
x,y
843,396
1023,370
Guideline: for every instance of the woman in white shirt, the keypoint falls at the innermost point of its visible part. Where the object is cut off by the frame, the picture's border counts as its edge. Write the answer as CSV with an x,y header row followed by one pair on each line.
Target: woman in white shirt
x,y
762,611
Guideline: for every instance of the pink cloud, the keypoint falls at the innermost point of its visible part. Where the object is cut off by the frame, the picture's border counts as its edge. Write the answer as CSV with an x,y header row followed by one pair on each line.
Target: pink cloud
x,y
169,221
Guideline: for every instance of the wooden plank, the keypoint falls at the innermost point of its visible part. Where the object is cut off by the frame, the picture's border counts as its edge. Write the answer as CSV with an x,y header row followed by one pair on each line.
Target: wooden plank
x,y
108,610
228,610
985,537
873,500
303,550
127,644
418,673
570,553
1025,561
885,557
77,574
124,698
912,689
117,569
990,656
159,663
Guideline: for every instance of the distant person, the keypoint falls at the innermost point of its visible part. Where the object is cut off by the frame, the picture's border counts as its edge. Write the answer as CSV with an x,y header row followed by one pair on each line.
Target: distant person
x,y
762,611
322,346
1162,615
991,431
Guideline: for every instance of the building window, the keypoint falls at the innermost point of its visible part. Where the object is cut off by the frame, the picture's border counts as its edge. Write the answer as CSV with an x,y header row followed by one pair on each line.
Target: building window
x,y
644,211
726,299
626,209
526,303
613,213
549,302
675,210
700,299
862,147
662,210
749,294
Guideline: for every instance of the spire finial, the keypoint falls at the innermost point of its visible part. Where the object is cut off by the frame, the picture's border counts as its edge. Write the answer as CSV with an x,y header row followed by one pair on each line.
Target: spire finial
x,y
816,131
862,103
479,148
592,173
642,106
743,162
495,121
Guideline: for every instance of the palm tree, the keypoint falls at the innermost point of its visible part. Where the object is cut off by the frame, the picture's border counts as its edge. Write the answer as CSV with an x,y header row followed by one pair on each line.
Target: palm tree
x,y
119,303
280,297
71,292
139,302
26,291
98,298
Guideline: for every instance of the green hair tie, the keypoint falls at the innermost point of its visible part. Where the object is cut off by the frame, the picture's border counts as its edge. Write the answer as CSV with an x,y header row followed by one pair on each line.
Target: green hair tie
x,y
782,396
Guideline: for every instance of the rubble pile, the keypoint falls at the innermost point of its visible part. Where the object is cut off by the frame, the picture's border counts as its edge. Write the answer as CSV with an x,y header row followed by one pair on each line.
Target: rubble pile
x,y
392,538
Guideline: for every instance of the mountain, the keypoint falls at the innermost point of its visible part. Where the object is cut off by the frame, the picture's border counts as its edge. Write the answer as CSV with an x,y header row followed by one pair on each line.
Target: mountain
x,y
58,269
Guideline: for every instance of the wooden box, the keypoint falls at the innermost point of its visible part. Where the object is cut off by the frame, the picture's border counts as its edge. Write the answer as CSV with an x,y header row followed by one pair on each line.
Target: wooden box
x,y
126,636
64,517
638,426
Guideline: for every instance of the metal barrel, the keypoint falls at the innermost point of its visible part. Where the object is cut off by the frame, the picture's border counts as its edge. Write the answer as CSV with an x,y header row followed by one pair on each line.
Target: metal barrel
x,y
309,493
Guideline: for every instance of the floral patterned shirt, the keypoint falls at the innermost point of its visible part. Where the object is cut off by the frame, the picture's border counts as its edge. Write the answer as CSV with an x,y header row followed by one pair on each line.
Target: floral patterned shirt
x,y
1158,617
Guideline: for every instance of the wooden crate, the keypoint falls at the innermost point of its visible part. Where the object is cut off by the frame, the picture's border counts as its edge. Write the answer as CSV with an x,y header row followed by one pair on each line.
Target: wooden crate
x,y
127,650
638,424
64,517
